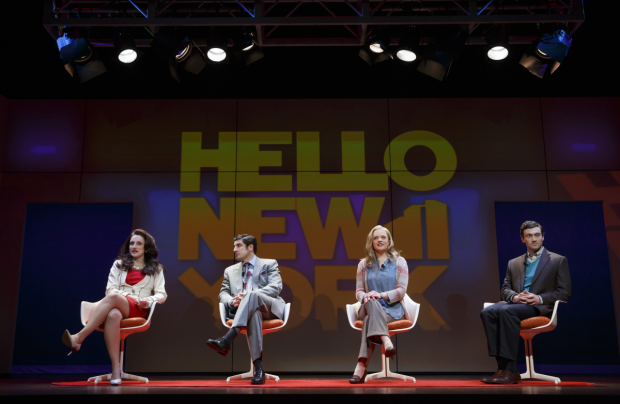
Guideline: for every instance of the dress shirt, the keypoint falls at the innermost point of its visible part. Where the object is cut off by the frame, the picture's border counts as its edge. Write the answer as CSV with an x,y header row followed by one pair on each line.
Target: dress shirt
x,y
250,281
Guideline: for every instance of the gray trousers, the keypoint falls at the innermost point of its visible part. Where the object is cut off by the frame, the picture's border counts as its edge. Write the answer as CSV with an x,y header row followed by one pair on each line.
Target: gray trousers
x,y
253,309
375,326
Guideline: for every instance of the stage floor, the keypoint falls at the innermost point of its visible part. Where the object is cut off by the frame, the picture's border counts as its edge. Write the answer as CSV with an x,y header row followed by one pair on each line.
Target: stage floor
x,y
18,388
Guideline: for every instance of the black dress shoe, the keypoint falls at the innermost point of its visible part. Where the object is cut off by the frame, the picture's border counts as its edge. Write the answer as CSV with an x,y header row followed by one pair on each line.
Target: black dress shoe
x,y
219,345
489,379
507,377
259,375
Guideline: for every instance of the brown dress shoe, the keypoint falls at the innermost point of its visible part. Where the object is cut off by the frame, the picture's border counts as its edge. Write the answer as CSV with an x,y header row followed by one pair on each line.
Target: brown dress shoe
x,y
489,379
506,377
359,380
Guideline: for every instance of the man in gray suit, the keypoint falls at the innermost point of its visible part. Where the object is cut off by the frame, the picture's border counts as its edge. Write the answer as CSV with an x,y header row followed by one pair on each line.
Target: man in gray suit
x,y
534,282
250,291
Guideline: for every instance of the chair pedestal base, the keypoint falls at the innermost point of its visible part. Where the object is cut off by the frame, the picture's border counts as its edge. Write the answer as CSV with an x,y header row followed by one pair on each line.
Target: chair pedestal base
x,y
386,372
250,373
126,376
530,373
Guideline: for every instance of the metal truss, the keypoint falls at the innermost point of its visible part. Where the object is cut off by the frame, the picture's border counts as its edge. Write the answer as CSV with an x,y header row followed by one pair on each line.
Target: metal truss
x,y
324,22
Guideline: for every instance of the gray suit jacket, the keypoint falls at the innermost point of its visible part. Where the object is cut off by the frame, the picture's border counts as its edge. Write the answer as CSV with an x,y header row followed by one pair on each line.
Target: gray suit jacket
x,y
551,280
268,283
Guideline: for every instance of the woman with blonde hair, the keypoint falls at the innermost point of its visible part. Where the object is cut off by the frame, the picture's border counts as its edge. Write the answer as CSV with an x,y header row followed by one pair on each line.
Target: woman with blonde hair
x,y
136,282
381,285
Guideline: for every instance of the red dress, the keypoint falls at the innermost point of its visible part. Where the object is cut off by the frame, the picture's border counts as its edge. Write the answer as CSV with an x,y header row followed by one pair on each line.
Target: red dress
x,y
133,277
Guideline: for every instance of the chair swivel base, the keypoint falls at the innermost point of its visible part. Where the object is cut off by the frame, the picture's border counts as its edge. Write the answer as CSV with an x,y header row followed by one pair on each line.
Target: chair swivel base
x,y
127,376
250,374
386,372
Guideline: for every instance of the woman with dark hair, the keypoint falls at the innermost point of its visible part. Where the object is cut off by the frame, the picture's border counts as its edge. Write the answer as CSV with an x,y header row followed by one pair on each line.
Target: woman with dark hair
x,y
381,286
135,283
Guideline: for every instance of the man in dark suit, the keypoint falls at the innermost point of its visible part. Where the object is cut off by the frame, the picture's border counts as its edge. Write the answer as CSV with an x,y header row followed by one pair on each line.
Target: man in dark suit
x,y
534,282
250,291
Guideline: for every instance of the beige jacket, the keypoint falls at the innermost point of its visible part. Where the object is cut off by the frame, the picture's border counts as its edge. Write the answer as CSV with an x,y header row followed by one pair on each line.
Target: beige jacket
x,y
152,287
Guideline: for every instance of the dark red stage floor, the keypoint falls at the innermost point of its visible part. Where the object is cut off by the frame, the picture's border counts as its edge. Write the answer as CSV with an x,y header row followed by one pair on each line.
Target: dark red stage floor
x,y
605,389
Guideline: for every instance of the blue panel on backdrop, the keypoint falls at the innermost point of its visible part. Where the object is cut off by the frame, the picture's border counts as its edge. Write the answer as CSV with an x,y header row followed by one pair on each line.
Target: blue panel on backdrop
x,y
586,332
68,251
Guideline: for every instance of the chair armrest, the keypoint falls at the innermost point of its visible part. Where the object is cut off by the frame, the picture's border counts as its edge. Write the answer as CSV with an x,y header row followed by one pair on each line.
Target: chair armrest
x,y
352,310
413,309
86,309
287,311
487,305
223,314
554,315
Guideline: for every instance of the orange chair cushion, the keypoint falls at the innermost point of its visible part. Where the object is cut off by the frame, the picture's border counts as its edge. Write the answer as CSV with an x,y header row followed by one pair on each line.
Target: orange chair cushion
x,y
267,324
394,325
128,322
534,322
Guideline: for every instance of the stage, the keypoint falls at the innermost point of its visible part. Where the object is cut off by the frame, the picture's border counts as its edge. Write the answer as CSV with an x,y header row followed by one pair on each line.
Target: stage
x,y
601,388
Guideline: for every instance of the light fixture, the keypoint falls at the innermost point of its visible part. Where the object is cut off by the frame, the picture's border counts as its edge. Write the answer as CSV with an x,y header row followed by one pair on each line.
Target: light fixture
x,y
497,42
217,46
125,48
179,50
375,49
409,44
441,52
547,52
78,55
245,47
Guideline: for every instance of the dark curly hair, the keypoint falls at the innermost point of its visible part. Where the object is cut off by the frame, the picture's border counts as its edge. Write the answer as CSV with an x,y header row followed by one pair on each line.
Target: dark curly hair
x,y
151,263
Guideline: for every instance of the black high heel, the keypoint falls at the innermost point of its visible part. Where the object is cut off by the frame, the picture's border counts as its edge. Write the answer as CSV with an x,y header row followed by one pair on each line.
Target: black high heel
x,y
359,380
68,341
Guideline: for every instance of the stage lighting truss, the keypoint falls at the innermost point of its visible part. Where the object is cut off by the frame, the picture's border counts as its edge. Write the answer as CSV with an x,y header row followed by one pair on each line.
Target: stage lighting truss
x,y
327,22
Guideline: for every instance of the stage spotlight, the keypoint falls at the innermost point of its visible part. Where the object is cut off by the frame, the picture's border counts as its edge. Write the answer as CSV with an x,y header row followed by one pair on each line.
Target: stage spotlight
x,y
497,42
126,51
78,55
246,48
217,46
180,51
547,52
375,50
441,52
409,44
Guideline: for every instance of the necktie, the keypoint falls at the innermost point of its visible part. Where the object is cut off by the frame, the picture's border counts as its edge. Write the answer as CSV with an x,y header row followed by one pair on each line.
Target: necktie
x,y
248,277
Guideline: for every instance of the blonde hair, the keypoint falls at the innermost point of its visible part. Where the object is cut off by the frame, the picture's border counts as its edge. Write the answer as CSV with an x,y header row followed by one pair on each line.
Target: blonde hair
x,y
371,256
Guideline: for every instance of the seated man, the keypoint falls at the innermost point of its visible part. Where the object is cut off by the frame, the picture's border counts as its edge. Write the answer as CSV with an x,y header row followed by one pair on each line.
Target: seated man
x,y
533,283
250,290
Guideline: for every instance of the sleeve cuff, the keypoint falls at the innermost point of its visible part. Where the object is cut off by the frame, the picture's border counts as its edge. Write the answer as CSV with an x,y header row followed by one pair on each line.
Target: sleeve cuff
x,y
228,304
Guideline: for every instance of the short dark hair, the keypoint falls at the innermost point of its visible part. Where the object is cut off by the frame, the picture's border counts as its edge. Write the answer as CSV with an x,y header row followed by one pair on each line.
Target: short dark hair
x,y
530,224
247,240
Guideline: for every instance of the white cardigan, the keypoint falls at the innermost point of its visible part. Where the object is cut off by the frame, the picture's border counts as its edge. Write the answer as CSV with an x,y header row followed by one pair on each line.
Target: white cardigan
x,y
151,287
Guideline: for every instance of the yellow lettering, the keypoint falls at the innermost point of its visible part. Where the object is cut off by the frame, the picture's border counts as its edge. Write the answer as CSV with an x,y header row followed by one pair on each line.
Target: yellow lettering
x,y
419,280
194,157
251,158
303,295
353,177
202,290
197,219
250,220
394,160
322,240
328,298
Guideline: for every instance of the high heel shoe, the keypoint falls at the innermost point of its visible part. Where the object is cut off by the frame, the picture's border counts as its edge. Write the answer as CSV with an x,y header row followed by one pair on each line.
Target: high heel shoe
x,y
68,341
359,380
115,382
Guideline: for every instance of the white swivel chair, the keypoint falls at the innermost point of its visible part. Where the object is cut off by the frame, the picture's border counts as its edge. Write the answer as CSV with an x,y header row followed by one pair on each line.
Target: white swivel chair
x,y
413,309
128,326
269,326
529,329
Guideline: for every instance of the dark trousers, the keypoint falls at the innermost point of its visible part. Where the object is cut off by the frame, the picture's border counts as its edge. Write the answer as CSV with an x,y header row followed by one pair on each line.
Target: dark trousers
x,y
502,324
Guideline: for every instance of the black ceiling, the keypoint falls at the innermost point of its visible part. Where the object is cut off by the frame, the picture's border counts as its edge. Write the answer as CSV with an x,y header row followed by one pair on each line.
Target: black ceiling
x,y
31,68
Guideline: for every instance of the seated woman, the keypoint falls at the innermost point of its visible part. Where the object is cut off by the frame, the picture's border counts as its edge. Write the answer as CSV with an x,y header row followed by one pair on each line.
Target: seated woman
x,y
135,283
381,286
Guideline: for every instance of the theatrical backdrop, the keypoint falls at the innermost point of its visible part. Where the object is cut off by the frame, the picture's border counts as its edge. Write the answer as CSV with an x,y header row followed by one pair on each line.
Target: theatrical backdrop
x,y
452,179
